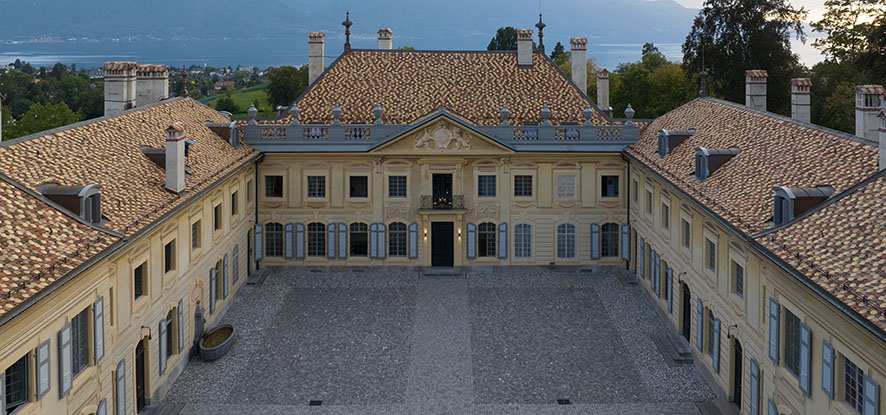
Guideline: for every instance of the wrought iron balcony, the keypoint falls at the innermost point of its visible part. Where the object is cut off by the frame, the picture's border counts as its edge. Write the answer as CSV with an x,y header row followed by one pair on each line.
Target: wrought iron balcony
x,y
454,202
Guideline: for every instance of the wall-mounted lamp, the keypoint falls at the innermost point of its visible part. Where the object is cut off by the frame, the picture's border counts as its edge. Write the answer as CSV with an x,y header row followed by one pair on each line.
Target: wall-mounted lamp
x,y
426,234
459,233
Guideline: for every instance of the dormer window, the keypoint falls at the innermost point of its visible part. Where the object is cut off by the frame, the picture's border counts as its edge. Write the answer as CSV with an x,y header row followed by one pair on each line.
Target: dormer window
x,y
85,201
791,202
708,160
669,140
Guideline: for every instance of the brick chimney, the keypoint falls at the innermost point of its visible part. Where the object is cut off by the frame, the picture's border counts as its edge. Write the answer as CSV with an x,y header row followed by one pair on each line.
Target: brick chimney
x,y
524,47
801,104
316,50
580,62
882,118
175,157
603,91
869,100
152,84
385,39
120,86
755,89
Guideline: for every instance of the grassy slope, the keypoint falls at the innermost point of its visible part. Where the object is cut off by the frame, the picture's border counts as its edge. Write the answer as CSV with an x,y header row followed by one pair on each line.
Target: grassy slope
x,y
245,98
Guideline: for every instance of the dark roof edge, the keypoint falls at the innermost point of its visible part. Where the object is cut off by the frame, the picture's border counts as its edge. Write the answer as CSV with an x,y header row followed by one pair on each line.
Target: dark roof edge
x,y
854,315
90,121
815,127
835,199
120,244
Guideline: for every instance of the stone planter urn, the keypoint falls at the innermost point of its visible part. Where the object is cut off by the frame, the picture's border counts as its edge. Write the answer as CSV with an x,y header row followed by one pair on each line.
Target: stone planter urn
x,y
216,342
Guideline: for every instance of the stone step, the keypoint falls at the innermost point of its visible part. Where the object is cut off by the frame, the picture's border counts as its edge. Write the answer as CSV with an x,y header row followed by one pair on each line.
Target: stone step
x,y
171,409
673,354
680,345
707,408
441,272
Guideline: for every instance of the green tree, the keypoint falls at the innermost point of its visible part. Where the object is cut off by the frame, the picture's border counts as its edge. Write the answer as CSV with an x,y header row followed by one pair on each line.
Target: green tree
x,y
227,104
41,117
833,93
729,37
406,48
286,84
652,85
848,25
559,55
505,39
874,58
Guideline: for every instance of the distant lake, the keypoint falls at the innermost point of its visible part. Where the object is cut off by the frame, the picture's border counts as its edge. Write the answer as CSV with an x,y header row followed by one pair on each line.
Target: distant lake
x,y
220,53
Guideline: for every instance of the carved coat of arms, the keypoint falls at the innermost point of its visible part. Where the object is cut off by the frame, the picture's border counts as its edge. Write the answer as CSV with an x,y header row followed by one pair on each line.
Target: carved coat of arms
x,y
442,137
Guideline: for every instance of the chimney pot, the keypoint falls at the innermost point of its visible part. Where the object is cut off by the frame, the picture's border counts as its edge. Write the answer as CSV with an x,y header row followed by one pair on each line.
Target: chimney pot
x,y
385,39
869,100
801,103
603,91
580,63
120,86
755,89
152,84
524,47
316,50
175,157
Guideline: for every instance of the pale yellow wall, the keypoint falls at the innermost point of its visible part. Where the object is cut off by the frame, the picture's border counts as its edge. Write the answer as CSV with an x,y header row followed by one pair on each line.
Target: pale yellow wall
x,y
111,278
763,279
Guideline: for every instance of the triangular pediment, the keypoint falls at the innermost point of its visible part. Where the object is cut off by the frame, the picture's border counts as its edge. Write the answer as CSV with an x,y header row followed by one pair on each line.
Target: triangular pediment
x,y
442,134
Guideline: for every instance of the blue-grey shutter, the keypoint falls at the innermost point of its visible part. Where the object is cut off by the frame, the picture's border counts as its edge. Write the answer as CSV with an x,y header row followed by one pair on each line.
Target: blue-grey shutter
x,y
655,274
43,369
212,282
827,368
289,240
330,241
299,241
235,266
102,408
773,410
642,258
120,376
755,388
98,311
225,277
163,335
871,396
373,240
259,242
670,289
64,360
180,327
716,346
472,241
699,327
626,242
342,240
805,359
595,241
382,241
413,240
503,240
774,319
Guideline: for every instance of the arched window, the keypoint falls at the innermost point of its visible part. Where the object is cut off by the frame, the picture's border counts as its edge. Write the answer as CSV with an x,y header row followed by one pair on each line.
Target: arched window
x,y
273,239
610,240
316,239
523,240
397,239
486,240
359,239
566,240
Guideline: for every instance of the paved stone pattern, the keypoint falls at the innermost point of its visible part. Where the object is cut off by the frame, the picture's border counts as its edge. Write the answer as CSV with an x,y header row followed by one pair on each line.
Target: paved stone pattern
x,y
387,341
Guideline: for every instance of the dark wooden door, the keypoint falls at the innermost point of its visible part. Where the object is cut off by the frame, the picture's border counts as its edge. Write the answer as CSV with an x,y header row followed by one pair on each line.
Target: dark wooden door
x,y
140,376
736,371
687,311
441,244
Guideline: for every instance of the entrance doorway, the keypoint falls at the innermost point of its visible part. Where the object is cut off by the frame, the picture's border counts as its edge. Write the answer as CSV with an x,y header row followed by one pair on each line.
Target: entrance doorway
x,y
442,191
687,311
441,244
736,371
140,373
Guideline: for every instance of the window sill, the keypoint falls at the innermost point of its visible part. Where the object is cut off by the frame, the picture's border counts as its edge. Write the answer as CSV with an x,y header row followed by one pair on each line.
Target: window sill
x,y
195,254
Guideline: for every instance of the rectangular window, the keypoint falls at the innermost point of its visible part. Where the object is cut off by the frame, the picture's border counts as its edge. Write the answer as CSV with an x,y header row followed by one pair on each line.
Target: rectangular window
x,y
665,216
609,186
216,217
738,279
523,240
169,256
486,240
138,280
170,335
359,239
636,192
522,186
195,235
397,186
649,202
687,234
80,342
220,280
234,206
359,186
791,342
566,187
710,339
609,238
566,241
16,386
273,186
397,239
485,186
853,385
317,186
710,255
249,191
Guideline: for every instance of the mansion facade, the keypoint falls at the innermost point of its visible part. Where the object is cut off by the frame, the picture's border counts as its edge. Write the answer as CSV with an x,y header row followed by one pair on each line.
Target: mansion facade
x,y
125,236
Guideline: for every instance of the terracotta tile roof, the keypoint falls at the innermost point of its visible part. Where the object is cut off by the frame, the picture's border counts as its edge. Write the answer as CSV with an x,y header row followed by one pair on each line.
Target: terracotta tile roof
x,y
107,152
152,69
410,84
801,82
756,73
119,66
775,151
842,248
870,89
39,244
578,41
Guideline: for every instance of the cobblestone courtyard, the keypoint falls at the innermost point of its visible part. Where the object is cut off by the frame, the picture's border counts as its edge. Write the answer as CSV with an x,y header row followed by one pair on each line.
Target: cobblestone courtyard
x,y
389,341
